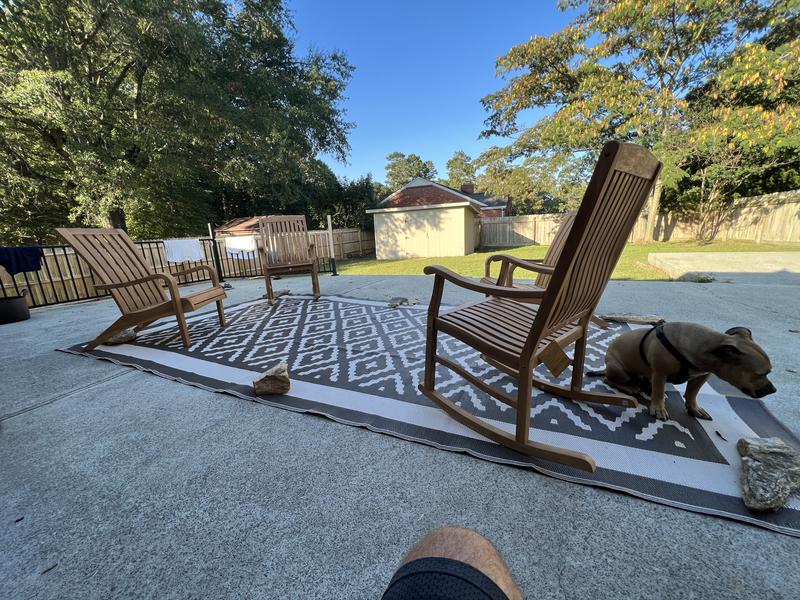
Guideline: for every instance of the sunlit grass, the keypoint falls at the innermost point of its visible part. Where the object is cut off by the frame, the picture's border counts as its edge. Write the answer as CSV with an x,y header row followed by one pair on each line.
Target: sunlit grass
x,y
632,264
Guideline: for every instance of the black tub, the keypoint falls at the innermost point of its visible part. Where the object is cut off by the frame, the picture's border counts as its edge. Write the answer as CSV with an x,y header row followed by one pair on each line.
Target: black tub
x,y
14,308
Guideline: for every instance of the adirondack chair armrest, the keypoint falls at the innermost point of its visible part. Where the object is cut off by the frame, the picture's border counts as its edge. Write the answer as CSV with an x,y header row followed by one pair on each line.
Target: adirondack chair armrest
x,y
476,286
212,272
171,282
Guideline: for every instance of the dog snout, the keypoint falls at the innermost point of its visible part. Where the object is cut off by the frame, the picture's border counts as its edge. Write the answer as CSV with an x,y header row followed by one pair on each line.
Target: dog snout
x,y
765,390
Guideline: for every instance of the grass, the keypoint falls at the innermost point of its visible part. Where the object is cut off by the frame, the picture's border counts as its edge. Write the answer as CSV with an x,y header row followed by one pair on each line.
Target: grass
x,y
632,264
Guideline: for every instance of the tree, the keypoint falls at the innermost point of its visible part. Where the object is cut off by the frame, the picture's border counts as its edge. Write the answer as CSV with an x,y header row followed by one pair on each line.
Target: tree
x,y
741,126
460,170
536,184
380,191
400,169
157,115
619,70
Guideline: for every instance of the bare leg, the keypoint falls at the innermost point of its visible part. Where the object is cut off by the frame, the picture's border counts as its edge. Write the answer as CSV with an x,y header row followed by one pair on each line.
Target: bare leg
x,y
469,547
692,388
658,408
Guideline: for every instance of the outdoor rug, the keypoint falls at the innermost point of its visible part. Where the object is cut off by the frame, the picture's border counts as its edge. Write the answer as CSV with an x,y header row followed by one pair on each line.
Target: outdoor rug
x,y
359,362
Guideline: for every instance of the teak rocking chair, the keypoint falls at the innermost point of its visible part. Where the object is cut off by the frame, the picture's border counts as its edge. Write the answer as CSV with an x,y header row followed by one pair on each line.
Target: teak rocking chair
x,y
285,249
543,266
516,337
137,290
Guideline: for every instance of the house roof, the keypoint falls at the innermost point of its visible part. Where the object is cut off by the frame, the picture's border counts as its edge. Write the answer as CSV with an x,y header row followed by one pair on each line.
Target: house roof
x,y
422,182
479,200
491,201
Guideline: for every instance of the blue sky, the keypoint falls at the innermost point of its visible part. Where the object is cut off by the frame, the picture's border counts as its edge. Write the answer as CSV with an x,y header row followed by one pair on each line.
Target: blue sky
x,y
421,69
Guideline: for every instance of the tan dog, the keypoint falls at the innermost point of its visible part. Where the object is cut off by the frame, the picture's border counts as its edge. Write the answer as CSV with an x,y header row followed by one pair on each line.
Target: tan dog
x,y
646,359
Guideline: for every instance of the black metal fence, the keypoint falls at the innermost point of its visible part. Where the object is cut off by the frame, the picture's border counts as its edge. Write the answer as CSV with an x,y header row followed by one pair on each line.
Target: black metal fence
x,y
64,277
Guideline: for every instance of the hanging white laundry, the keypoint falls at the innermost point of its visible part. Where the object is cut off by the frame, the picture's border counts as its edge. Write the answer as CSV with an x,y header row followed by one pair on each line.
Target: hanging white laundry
x,y
241,246
178,251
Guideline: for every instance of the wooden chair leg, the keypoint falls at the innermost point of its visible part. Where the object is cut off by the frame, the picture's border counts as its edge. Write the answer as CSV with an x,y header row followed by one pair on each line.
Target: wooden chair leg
x,y
577,362
315,281
221,313
430,357
524,400
601,323
184,329
141,326
119,325
270,292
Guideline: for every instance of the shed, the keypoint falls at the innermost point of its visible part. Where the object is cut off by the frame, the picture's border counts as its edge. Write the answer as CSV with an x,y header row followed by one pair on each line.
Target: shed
x,y
426,219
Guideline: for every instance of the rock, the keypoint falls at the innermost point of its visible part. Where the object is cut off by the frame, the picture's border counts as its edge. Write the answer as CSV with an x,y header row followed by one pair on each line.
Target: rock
x,y
770,472
632,318
123,337
276,294
274,381
401,301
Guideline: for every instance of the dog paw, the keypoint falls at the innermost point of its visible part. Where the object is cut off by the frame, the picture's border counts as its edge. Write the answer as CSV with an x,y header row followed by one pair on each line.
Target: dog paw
x,y
699,413
659,412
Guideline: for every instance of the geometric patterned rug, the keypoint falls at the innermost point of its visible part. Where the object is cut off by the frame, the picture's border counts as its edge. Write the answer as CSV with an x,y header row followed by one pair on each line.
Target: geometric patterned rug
x,y
359,362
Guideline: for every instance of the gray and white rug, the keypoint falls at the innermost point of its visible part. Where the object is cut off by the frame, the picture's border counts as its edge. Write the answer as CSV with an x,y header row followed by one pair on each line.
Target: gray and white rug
x,y
359,362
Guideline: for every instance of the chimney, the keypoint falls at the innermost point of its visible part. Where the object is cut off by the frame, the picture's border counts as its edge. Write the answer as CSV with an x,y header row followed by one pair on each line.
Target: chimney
x,y
468,188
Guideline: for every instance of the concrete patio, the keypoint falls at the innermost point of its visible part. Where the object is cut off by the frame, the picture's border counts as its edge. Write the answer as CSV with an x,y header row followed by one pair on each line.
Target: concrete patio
x,y
117,483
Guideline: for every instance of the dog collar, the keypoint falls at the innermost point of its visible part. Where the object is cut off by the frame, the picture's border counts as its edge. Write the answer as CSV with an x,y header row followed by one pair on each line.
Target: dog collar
x,y
686,365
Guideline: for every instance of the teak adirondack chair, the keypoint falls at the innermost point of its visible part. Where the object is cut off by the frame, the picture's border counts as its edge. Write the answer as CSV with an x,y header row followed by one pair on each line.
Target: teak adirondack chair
x,y
543,266
137,290
285,249
516,337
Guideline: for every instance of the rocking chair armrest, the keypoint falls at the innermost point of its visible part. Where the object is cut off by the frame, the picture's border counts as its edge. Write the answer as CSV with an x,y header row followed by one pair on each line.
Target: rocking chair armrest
x,y
171,282
211,271
535,265
483,288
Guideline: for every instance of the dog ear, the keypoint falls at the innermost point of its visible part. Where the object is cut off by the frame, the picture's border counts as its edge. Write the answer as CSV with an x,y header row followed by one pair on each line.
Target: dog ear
x,y
742,331
727,351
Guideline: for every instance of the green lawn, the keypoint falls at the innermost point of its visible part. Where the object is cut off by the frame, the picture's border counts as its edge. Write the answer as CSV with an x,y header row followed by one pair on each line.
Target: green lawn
x,y
632,265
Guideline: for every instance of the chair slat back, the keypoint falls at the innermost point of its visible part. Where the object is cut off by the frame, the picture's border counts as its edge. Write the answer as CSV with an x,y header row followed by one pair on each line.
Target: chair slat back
x,y
556,246
114,258
284,240
622,180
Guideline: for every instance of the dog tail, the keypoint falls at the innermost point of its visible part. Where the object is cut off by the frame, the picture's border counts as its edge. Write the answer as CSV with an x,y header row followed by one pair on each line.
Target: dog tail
x,y
596,373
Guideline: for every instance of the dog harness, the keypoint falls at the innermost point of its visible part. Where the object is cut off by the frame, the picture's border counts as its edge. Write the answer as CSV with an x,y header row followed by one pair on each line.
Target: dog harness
x,y
687,368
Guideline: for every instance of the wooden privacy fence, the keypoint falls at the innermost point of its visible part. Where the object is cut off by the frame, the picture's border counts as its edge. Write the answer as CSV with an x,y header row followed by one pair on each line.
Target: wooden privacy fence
x,y
347,243
64,277
524,230
768,218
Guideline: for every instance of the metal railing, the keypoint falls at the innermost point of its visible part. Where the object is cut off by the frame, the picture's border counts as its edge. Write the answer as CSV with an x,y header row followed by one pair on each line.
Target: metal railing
x,y
64,277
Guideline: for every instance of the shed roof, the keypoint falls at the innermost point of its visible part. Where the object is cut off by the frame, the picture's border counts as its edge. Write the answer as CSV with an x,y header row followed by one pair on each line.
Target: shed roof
x,y
241,225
